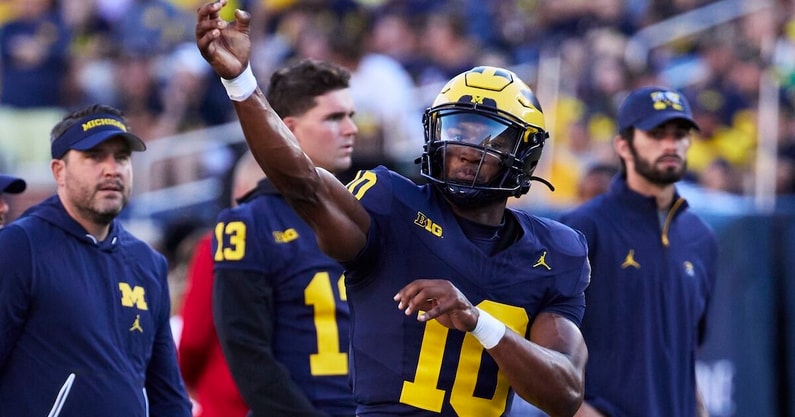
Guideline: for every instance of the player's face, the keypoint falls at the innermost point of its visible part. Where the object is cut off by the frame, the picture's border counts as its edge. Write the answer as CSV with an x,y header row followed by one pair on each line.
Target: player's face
x,y
327,131
474,165
96,183
659,155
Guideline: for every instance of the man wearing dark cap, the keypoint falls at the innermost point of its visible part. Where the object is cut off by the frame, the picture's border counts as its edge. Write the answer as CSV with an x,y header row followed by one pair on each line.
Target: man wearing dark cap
x,y
653,269
84,305
9,185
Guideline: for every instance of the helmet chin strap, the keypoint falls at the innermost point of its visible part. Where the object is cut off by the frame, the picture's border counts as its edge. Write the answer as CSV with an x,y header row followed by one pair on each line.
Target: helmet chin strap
x,y
543,181
523,190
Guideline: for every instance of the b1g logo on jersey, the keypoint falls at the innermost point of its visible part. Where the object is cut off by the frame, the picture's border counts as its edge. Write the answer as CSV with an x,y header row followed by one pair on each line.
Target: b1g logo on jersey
x,y
286,236
427,224
133,296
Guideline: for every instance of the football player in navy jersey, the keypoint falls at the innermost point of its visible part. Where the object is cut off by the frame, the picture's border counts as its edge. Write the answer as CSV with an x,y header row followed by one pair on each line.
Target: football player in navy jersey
x,y
279,301
455,299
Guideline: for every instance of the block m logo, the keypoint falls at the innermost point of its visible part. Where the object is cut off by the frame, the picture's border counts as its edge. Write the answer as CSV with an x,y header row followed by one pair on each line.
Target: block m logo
x,y
133,297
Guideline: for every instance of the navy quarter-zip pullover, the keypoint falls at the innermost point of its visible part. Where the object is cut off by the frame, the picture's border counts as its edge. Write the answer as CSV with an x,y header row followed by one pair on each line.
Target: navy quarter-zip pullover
x,y
651,279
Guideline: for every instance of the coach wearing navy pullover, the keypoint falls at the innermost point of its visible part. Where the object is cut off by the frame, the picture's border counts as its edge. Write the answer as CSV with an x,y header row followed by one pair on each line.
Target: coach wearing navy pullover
x,y
84,305
653,268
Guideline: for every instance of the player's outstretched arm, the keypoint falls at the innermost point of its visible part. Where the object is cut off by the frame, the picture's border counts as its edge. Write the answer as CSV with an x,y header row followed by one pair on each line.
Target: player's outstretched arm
x,y
340,222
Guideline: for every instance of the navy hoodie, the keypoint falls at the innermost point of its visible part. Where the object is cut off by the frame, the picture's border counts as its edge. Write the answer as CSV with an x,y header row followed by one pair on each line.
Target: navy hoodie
x,y
84,324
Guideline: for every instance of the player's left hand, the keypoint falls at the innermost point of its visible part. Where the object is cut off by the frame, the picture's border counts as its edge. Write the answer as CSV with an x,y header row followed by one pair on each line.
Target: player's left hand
x,y
438,299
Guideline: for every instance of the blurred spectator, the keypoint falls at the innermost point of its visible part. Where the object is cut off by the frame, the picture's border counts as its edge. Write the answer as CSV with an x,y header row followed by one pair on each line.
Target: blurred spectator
x,y
9,185
446,47
155,26
396,35
735,143
123,52
785,175
563,19
595,181
389,132
90,76
191,96
34,48
294,32
136,90
191,99
720,175
33,66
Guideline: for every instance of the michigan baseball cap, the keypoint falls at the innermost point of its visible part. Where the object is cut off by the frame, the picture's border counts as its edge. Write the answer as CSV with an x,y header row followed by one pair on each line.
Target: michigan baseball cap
x,y
648,107
11,185
91,131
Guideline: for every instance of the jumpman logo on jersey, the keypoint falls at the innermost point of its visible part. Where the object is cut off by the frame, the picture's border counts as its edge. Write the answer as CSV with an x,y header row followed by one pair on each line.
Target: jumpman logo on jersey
x,y
542,261
137,324
630,260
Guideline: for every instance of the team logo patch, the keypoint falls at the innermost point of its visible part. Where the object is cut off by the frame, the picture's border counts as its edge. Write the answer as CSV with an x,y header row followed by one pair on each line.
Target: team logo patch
x,y
429,225
667,99
133,296
286,236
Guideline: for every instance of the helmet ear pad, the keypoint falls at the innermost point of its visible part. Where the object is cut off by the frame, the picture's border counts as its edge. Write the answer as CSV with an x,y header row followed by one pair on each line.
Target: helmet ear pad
x,y
527,159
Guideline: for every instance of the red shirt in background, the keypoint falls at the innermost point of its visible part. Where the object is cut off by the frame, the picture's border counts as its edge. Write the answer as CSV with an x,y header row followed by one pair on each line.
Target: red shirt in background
x,y
201,360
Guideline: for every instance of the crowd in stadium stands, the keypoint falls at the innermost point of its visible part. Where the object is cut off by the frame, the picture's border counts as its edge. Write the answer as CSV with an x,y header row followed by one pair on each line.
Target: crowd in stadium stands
x,y
57,55
61,54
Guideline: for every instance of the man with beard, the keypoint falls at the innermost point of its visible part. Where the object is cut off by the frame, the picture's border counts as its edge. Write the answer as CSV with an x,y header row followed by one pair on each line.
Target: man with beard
x,y
84,305
653,269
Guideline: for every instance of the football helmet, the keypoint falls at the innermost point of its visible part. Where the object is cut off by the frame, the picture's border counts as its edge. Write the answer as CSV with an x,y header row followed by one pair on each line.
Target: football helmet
x,y
493,113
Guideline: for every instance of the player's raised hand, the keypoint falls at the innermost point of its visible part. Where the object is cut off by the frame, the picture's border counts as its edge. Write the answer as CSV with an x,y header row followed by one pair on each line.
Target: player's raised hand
x,y
440,300
226,46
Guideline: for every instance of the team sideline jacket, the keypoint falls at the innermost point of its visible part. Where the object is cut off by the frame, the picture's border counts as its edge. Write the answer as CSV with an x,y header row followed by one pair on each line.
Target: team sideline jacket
x,y
647,302
84,324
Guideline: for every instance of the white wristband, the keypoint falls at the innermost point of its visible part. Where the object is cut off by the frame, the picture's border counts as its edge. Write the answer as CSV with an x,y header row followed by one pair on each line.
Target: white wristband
x,y
242,86
489,331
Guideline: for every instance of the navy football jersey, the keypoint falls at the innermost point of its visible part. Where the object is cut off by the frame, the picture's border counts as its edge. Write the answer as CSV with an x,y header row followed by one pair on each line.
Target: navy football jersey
x,y
404,367
309,309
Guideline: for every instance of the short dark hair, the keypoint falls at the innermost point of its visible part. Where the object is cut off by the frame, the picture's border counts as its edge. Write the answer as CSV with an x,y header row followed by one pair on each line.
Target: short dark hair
x,y
292,89
72,118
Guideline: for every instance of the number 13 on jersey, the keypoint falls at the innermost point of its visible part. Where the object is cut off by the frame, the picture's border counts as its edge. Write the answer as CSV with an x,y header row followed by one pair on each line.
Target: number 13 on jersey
x,y
318,294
